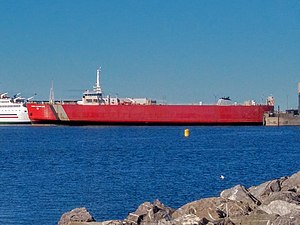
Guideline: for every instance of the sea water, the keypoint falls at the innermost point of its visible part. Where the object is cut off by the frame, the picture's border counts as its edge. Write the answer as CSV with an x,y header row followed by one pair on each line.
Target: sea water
x,y
48,170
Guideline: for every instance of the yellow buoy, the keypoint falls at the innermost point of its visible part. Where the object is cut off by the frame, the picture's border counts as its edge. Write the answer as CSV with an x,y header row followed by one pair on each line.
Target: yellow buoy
x,y
186,132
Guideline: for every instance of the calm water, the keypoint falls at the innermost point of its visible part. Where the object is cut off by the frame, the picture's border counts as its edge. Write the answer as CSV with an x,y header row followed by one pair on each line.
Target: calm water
x,y
46,171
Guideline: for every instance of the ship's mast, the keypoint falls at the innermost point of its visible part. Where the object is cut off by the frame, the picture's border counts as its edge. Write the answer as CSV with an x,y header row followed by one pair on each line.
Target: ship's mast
x,y
97,88
51,95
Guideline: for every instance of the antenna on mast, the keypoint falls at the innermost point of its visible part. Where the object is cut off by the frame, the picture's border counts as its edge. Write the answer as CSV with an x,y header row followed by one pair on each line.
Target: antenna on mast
x,y
51,95
97,88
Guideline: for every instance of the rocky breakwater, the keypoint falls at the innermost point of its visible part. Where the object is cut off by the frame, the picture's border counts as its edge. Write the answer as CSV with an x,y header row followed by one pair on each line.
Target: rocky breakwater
x,y
276,202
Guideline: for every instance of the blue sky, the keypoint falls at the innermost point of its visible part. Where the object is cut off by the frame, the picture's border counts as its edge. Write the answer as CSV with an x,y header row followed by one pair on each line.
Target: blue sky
x,y
181,51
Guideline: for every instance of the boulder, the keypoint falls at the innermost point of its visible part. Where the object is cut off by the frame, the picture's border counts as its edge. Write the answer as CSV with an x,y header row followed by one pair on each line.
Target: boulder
x,y
289,219
225,221
149,213
109,222
288,196
204,208
235,208
76,215
190,219
213,209
241,194
257,217
265,189
280,207
292,183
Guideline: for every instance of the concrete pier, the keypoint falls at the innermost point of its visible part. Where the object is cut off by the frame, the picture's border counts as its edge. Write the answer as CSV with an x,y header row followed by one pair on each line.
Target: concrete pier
x,y
281,119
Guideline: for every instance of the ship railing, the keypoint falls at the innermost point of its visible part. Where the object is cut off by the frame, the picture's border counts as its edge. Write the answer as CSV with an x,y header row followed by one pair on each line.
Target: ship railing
x,y
55,102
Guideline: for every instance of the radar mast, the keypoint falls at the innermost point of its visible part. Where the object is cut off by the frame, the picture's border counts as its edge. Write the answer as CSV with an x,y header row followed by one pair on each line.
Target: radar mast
x,y
97,88
51,95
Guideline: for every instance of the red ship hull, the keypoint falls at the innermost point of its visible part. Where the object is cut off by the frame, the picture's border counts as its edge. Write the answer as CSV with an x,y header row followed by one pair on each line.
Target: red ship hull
x,y
76,114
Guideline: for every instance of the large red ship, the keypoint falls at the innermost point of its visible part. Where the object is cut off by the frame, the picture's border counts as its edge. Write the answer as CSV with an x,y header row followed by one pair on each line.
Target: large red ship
x,y
96,109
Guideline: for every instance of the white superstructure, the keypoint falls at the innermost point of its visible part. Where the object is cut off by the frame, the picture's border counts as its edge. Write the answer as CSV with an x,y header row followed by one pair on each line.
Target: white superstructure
x,y
13,110
95,97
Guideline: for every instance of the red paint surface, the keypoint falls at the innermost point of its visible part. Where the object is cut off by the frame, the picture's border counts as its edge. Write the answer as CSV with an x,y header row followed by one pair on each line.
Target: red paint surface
x,y
151,114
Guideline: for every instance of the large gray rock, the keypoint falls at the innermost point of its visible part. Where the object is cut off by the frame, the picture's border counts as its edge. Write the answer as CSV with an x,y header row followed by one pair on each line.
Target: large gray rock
x,y
289,219
109,222
76,215
292,183
205,208
213,209
263,190
280,207
287,196
149,213
255,218
241,194
190,219
225,221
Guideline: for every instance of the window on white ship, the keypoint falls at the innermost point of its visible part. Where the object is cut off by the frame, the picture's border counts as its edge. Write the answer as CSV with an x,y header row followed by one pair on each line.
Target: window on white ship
x,y
9,106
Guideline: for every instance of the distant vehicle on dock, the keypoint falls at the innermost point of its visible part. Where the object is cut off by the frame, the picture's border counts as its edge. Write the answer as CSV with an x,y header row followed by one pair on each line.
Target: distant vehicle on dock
x,y
94,108
13,110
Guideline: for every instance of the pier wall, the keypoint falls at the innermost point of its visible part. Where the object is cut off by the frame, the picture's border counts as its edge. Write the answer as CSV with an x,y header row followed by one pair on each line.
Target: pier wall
x,y
281,119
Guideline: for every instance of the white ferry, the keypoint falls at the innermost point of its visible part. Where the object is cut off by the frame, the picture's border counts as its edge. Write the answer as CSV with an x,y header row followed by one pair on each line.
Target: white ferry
x,y
13,110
